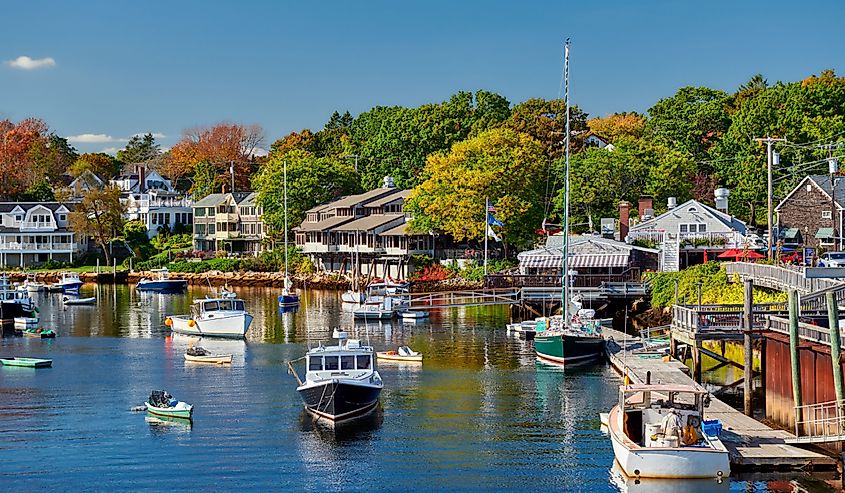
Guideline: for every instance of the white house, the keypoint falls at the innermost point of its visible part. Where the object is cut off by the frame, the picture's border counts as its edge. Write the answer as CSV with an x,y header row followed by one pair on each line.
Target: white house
x,y
141,180
160,209
32,233
688,234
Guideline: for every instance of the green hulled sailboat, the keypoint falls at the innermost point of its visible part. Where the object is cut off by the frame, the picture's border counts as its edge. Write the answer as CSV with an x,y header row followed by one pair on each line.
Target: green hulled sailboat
x,y
575,337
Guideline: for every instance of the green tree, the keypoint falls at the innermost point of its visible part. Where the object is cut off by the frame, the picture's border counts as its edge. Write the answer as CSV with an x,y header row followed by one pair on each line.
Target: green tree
x,y
140,149
99,163
311,181
205,180
545,122
99,215
691,121
507,167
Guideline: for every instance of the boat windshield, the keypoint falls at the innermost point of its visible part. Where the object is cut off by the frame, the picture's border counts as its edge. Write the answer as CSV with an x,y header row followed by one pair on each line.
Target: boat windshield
x,y
347,362
239,305
315,363
331,363
226,305
364,362
209,306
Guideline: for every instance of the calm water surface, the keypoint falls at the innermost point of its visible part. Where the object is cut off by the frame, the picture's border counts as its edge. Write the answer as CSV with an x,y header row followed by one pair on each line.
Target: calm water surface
x,y
479,414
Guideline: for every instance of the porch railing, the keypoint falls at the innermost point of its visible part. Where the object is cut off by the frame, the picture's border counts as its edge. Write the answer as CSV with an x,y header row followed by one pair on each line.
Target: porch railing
x,y
821,422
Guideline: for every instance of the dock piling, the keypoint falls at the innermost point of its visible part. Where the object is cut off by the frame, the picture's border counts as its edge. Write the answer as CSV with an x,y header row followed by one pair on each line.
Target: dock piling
x,y
793,352
747,369
835,344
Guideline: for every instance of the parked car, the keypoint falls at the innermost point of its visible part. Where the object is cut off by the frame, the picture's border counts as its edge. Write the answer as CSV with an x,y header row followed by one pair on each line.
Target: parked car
x,y
832,259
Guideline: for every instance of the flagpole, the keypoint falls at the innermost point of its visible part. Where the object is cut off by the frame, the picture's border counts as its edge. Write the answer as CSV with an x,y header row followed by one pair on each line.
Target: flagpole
x,y
486,226
565,310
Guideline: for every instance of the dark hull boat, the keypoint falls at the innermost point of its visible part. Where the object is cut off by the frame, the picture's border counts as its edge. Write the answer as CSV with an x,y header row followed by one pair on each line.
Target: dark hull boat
x,y
569,349
341,382
337,401
168,286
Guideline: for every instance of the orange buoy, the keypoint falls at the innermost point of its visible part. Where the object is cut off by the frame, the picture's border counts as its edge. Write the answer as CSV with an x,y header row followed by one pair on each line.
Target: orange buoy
x,y
191,323
168,322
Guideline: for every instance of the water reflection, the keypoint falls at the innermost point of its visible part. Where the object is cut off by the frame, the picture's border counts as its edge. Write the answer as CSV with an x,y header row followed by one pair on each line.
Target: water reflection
x,y
160,425
648,485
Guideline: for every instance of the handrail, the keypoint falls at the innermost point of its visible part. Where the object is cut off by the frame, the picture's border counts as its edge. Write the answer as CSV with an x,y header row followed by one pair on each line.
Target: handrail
x,y
823,421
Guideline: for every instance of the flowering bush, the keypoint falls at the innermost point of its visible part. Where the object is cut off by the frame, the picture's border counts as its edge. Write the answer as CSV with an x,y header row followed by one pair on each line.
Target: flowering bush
x,y
433,272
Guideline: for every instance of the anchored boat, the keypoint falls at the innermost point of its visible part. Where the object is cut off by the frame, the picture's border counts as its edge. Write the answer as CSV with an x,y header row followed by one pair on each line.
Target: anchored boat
x,y
161,403
161,283
198,354
657,432
27,362
216,317
404,353
69,282
341,381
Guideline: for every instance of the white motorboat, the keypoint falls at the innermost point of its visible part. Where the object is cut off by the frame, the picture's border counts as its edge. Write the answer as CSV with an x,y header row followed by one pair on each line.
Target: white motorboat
x,y
32,285
24,323
15,303
341,381
382,311
413,314
69,282
216,317
656,432
354,297
198,354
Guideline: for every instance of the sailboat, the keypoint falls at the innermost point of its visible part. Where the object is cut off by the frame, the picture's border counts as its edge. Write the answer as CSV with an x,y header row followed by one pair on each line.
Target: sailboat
x,y
575,337
287,299
355,295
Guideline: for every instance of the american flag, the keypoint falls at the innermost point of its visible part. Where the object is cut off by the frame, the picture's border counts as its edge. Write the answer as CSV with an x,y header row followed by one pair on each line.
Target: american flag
x,y
491,207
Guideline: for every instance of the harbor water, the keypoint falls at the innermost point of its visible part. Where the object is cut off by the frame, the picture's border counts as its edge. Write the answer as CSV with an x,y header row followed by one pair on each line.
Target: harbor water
x,y
480,414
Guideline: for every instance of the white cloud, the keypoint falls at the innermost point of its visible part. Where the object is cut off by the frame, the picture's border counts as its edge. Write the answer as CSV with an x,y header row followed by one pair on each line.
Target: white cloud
x,y
91,139
259,152
27,63
110,150
156,135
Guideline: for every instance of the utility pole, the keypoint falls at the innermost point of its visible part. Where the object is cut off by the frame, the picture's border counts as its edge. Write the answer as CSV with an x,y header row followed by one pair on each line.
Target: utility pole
x,y
769,141
232,174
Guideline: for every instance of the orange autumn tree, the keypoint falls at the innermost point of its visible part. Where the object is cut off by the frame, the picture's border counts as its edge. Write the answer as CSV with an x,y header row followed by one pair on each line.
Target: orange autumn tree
x,y
205,153
19,143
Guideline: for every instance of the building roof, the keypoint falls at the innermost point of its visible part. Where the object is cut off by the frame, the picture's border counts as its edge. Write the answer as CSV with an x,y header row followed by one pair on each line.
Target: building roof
x,y
727,220
400,194
361,198
823,183
215,199
596,244
585,251
367,223
401,230
53,206
323,225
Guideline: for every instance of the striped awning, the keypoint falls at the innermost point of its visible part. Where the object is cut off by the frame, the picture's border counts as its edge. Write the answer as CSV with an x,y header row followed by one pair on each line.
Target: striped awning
x,y
547,261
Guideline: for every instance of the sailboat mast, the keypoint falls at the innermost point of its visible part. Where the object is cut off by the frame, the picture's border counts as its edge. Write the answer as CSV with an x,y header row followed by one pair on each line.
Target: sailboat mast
x,y
285,181
566,315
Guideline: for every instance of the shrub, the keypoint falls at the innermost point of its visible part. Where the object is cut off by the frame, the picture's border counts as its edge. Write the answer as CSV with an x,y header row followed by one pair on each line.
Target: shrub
x,y
434,272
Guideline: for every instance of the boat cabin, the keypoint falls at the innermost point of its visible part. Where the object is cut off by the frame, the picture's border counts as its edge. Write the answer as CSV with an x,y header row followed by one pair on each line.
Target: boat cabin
x,y
208,307
663,415
350,360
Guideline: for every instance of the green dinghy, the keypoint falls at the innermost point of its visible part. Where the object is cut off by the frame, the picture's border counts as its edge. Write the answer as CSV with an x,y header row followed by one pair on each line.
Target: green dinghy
x,y
162,403
27,362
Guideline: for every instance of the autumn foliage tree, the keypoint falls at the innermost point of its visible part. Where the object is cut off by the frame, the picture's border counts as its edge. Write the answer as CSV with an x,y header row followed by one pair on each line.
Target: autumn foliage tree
x,y
30,156
99,215
218,146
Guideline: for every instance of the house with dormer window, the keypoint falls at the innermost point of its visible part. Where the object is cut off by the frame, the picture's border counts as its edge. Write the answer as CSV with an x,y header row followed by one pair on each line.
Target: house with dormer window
x,y
688,234
32,233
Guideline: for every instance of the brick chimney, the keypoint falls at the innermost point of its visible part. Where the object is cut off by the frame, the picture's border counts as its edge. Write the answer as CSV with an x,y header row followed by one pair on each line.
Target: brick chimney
x,y
646,208
223,189
142,178
624,221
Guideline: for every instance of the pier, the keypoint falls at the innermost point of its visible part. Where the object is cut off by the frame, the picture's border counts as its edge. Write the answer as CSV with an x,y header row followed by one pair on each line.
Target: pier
x,y
751,444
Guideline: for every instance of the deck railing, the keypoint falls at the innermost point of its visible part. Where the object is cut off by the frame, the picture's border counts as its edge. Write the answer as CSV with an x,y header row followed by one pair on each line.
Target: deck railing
x,y
821,422
631,275
720,318
781,278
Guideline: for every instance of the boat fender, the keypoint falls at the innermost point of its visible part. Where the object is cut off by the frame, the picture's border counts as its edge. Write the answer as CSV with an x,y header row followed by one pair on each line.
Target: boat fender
x,y
168,322
191,323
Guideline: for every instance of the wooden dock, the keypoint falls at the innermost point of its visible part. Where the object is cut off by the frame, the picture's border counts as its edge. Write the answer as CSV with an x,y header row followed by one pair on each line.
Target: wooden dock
x,y
751,444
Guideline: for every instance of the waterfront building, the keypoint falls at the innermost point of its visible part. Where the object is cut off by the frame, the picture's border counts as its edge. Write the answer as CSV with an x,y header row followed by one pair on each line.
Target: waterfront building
x,y
369,229
230,222
151,199
686,234
812,214
33,232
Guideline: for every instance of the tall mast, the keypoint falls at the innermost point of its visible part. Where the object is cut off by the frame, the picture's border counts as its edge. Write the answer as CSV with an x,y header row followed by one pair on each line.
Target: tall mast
x,y
566,193
285,181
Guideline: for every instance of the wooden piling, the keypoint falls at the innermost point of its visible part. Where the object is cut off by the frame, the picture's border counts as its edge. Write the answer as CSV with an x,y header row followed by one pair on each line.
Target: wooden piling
x,y
793,352
835,344
747,369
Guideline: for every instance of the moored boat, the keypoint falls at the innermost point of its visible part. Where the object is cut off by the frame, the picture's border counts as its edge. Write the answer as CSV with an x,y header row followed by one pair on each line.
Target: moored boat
x,y
161,283
40,333
161,403
27,362
656,432
69,282
24,323
287,299
413,314
404,353
341,382
79,301
225,316
15,303
32,285
198,354
578,342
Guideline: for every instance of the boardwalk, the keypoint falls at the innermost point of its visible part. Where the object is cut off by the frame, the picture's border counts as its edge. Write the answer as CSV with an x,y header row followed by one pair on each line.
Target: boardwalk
x,y
752,445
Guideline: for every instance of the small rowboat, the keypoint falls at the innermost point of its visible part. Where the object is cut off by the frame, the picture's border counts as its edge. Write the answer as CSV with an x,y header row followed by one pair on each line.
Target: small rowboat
x,y
79,301
414,315
403,354
199,354
27,362
166,405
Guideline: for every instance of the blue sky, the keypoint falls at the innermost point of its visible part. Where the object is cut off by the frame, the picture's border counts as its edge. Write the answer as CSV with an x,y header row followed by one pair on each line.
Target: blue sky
x,y
120,68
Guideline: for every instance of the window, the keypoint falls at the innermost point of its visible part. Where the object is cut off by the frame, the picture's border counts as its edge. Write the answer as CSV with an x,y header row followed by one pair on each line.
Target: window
x,y
331,362
702,228
826,215
226,305
199,229
683,228
210,306
347,362
190,218
315,363
211,211
239,305
211,229
155,218
363,362
200,212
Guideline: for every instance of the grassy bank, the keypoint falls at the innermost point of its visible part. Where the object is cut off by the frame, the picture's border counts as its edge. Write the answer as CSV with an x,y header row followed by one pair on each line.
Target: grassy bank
x,y
716,287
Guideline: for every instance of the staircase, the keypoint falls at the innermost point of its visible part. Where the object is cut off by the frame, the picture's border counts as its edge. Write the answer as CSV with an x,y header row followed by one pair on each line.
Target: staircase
x,y
669,257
